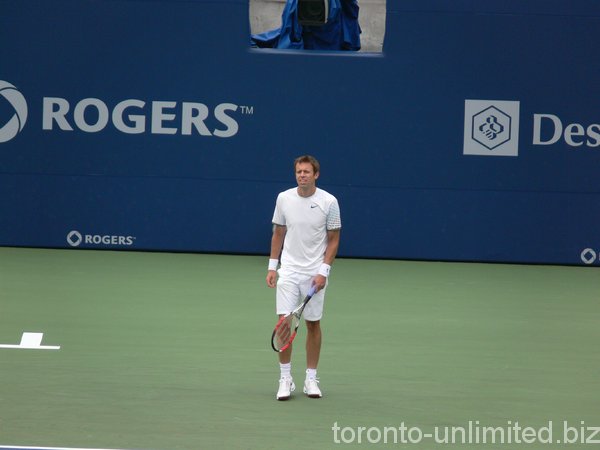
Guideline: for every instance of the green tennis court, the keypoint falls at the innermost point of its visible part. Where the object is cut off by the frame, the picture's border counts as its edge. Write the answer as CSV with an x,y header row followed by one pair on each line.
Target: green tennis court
x,y
171,352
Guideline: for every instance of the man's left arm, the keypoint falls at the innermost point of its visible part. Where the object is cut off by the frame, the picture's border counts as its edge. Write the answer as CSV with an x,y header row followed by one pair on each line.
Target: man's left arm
x,y
333,243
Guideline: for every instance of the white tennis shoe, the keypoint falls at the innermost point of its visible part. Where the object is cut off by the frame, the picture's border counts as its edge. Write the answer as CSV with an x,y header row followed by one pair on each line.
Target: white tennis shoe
x,y
286,387
311,388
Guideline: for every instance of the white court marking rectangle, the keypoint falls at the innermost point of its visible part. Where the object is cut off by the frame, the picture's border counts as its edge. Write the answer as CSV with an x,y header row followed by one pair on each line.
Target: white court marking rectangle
x,y
31,341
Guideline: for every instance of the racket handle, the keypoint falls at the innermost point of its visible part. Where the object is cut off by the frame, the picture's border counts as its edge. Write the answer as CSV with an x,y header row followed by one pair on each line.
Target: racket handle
x,y
312,290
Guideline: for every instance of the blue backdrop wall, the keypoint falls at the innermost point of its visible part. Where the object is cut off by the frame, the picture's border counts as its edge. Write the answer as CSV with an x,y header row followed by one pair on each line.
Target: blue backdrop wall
x,y
152,125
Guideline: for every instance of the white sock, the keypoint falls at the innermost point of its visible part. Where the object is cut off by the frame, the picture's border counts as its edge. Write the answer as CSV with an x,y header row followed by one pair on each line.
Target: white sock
x,y
286,370
311,374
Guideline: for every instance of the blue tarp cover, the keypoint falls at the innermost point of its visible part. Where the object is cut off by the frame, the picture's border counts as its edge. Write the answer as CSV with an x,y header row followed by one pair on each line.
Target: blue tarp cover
x,y
341,32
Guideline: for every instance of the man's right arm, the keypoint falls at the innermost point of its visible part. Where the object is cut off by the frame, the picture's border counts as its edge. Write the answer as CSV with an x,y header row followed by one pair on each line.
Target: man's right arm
x,y
276,246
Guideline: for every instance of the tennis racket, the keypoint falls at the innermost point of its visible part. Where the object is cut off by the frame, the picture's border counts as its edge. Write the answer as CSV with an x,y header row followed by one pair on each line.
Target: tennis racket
x,y
287,326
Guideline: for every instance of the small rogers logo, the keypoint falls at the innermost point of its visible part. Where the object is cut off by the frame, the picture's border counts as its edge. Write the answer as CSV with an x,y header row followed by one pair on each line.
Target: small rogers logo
x,y
588,256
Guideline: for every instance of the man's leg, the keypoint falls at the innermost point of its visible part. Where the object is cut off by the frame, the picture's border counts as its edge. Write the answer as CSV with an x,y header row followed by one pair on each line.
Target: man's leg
x,y
286,383
313,351
285,357
313,343
287,298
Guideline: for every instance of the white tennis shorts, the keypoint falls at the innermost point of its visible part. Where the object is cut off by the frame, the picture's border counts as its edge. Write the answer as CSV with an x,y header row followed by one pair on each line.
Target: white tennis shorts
x,y
291,290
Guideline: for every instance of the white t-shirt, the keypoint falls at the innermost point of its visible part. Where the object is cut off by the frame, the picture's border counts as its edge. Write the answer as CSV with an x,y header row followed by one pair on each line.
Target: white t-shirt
x,y
307,220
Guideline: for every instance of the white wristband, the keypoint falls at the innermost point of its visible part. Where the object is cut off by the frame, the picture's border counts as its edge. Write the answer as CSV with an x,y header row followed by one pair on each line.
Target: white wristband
x,y
273,263
324,269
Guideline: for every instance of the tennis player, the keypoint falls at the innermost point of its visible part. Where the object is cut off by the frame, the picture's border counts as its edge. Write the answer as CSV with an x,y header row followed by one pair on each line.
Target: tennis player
x,y
306,225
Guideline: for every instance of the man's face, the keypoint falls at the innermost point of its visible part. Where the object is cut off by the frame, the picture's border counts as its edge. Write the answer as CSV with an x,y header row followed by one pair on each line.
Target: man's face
x,y
305,174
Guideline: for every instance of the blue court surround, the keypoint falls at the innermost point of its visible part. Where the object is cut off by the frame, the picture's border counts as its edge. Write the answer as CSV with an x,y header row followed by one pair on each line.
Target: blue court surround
x,y
388,128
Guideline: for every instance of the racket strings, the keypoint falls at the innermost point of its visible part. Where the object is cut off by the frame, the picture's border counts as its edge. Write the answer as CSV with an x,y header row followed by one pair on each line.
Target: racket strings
x,y
285,331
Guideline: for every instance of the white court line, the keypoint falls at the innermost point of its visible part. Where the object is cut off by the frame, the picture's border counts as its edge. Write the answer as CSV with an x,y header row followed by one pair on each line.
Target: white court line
x,y
31,341
17,447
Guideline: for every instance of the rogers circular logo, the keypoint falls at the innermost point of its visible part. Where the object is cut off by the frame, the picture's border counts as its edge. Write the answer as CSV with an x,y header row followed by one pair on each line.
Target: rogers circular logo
x,y
589,256
16,123
74,238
